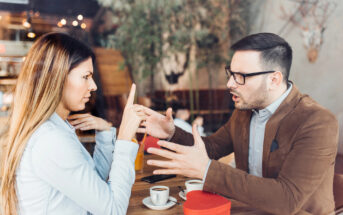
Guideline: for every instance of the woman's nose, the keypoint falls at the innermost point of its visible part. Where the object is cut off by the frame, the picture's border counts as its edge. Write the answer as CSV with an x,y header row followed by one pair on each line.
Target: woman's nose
x,y
92,86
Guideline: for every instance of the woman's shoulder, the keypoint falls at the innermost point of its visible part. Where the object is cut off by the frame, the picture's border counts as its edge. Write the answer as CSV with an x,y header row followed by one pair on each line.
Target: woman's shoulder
x,y
50,133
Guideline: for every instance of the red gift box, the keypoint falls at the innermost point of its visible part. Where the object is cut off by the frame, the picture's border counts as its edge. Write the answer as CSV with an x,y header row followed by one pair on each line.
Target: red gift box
x,y
201,203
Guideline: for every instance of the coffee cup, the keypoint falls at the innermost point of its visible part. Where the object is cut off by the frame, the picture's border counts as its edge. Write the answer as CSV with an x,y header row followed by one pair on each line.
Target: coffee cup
x,y
193,184
159,195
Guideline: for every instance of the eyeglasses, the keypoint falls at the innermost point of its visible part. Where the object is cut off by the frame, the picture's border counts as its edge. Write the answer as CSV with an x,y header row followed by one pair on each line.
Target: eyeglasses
x,y
240,77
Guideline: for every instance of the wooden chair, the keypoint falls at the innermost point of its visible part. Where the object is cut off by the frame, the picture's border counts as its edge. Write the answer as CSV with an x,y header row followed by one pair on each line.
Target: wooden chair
x,y
338,178
338,192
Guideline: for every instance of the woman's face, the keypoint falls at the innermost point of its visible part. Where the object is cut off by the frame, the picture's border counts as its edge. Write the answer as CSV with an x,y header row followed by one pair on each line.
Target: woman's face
x,y
77,88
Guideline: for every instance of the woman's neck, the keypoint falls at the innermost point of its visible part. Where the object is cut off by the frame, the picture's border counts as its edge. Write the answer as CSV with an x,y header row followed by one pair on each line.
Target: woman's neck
x,y
62,112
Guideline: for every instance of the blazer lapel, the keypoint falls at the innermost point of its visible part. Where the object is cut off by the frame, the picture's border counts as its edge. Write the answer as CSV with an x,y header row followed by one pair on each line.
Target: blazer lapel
x,y
244,126
274,122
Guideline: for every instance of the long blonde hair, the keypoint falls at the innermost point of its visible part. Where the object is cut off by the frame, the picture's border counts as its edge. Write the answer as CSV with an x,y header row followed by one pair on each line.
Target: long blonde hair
x,y
37,95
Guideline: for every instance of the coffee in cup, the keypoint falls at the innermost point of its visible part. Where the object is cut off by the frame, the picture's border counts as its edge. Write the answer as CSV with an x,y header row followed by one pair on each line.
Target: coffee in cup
x,y
159,195
194,184
159,189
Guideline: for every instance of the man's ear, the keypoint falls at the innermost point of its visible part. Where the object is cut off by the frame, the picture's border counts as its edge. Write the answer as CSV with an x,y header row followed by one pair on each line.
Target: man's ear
x,y
275,79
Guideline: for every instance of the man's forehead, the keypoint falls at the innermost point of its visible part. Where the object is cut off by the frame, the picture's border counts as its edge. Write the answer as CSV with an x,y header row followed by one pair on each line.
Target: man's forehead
x,y
245,60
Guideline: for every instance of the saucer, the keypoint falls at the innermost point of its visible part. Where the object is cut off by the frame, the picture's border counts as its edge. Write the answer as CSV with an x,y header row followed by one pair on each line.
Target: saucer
x,y
147,202
183,194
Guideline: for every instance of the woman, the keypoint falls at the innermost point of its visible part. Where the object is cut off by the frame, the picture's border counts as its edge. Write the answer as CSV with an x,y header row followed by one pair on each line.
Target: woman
x,y
44,168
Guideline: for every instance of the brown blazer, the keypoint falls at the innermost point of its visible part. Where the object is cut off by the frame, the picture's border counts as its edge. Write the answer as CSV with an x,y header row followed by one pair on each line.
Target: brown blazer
x,y
297,176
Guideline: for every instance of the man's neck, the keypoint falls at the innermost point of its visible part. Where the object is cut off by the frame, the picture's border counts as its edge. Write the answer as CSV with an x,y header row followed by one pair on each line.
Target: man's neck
x,y
277,94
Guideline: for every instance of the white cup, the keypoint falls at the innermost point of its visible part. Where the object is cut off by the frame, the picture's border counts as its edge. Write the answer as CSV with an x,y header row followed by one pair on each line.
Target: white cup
x,y
193,184
159,195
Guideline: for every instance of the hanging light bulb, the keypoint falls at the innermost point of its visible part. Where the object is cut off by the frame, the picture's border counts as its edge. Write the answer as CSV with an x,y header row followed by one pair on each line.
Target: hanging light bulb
x,y
26,23
83,25
31,34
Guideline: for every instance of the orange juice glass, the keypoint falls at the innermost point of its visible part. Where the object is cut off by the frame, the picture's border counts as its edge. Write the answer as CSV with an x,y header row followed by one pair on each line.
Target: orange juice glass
x,y
140,157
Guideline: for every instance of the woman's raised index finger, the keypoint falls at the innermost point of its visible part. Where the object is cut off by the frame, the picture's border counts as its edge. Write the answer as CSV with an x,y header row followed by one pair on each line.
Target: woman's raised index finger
x,y
131,95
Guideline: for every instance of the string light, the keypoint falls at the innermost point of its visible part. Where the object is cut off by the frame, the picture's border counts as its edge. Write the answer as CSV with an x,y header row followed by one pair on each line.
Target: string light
x,y
63,21
59,24
75,23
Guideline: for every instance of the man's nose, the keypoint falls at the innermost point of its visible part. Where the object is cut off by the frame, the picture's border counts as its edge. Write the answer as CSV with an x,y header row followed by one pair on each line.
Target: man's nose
x,y
231,83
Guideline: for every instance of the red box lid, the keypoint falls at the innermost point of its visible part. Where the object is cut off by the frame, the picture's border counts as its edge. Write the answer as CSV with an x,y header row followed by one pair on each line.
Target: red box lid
x,y
201,203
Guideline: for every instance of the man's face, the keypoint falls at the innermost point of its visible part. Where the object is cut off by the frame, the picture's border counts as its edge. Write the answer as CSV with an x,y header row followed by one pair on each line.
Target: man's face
x,y
253,94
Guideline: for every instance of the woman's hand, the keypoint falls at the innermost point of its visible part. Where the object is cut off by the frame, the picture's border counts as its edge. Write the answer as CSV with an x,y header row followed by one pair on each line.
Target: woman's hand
x,y
87,122
132,117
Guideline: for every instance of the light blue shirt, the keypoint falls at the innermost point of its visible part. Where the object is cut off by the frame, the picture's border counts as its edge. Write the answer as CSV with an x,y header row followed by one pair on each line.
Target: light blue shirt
x,y
57,175
258,123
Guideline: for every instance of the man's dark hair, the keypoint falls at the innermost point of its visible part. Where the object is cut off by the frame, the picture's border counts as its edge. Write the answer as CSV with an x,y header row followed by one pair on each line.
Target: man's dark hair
x,y
275,51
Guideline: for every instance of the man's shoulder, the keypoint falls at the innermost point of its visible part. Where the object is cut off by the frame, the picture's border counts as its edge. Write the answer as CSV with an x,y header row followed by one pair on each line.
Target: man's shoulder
x,y
308,107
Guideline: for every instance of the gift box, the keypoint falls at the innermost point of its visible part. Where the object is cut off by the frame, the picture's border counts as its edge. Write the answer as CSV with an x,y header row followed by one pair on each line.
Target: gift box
x,y
203,203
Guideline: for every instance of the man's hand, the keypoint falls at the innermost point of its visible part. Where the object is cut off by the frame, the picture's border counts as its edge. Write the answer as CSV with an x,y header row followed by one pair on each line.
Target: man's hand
x,y
190,161
158,125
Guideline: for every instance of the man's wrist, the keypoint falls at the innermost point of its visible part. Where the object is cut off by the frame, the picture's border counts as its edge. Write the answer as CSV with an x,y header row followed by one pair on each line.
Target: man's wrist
x,y
172,134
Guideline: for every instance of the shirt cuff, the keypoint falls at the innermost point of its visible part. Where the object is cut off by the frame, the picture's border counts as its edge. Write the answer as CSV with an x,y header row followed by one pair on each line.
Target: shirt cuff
x,y
124,147
107,136
208,166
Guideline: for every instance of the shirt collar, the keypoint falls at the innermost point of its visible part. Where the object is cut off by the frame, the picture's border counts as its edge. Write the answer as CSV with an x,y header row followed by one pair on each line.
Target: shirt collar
x,y
55,118
273,106
270,109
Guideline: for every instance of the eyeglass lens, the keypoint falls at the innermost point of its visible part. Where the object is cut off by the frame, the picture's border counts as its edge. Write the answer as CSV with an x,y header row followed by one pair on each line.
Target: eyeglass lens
x,y
237,77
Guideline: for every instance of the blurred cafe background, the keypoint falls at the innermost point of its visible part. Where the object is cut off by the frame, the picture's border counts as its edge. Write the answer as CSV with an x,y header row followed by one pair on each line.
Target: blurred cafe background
x,y
176,51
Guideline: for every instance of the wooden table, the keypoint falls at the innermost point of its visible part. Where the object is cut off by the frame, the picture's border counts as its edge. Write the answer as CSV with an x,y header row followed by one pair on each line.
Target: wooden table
x,y
140,190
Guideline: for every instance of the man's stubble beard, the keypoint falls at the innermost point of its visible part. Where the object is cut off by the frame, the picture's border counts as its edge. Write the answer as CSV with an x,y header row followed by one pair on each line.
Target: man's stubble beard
x,y
260,95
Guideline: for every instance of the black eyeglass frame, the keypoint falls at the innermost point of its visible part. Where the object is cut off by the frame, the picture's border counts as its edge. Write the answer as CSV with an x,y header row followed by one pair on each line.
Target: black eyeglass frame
x,y
244,75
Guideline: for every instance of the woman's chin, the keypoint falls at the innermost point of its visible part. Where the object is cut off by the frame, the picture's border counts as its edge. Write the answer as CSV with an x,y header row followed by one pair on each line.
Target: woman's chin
x,y
79,108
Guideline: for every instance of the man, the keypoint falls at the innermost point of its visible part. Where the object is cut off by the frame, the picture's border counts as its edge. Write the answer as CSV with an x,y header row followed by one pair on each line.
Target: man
x,y
182,115
284,142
